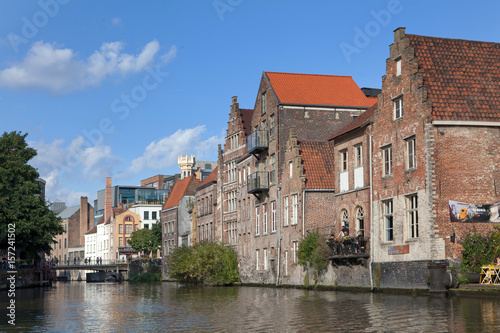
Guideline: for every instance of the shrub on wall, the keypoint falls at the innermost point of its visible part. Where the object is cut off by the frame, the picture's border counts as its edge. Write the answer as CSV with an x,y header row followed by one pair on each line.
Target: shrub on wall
x,y
479,249
313,250
204,263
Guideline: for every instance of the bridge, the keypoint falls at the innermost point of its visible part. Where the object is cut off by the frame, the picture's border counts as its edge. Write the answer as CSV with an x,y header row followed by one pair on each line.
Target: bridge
x,y
105,265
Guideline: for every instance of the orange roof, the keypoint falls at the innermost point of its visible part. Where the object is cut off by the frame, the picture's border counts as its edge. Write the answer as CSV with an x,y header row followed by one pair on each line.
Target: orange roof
x,y
92,231
179,190
317,159
313,89
462,76
211,177
360,121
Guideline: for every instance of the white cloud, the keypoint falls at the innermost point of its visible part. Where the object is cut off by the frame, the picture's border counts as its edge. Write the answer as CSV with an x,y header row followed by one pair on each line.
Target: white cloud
x,y
63,165
163,153
116,21
60,70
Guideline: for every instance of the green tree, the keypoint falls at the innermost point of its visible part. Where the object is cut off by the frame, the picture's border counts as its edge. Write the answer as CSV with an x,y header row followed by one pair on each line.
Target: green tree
x,y
146,240
156,229
21,206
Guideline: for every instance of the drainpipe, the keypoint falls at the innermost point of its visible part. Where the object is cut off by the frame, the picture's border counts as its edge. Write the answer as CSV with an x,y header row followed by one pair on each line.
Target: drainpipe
x,y
279,234
371,211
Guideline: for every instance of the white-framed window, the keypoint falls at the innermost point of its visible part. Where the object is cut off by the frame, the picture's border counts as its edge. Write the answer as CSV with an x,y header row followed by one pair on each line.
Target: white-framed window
x,y
411,161
257,259
285,211
358,155
398,108
387,156
146,215
360,221
412,215
295,209
398,66
257,221
388,220
264,219
295,251
273,216
265,255
343,160
290,169
263,103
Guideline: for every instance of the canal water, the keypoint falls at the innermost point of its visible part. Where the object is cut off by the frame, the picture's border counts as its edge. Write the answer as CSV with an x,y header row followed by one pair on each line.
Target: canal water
x,y
168,307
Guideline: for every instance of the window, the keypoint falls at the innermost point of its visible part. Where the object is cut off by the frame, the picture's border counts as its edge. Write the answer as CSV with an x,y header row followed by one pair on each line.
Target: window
x,y
388,221
272,172
285,211
273,216
412,215
360,221
146,215
398,66
120,241
387,155
398,108
128,228
257,255
257,221
146,226
153,215
295,250
290,169
295,209
343,160
271,127
264,219
65,242
410,153
358,151
263,103
265,258
345,218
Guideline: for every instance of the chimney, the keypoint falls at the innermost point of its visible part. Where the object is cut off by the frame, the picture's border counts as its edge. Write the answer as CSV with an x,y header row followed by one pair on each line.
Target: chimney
x,y
108,209
84,219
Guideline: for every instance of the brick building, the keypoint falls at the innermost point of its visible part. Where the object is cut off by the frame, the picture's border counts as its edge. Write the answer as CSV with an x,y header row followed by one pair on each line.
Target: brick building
x,y
206,200
442,144
175,216
290,111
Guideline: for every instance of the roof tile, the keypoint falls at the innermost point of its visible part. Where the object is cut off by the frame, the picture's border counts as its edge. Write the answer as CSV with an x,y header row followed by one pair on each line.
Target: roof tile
x,y
317,159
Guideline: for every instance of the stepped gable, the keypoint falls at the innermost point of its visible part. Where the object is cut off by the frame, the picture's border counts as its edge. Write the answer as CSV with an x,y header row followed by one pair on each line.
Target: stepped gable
x,y
246,116
318,162
463,77
314,89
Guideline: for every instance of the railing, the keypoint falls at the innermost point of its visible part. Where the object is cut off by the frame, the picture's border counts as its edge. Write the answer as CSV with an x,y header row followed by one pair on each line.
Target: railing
x,y
257,142
258,182
351,247
90,262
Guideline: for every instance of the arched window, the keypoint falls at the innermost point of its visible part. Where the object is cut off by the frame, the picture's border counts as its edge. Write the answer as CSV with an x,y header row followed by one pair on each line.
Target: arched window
x,y
360,221
129,219
345,218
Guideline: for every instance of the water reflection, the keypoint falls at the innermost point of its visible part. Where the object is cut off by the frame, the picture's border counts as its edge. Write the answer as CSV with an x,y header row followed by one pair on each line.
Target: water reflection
x,y
125,307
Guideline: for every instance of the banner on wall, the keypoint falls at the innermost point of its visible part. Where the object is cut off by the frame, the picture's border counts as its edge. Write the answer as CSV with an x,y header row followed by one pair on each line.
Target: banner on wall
x,y
467,212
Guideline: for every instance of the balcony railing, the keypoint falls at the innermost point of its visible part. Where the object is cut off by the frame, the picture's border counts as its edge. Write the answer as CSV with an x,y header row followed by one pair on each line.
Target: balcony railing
x,y
257,142
349,248
258,182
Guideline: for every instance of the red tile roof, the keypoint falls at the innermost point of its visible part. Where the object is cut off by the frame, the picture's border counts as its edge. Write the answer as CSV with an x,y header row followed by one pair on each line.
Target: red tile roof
x,y
317,159
246,115
362,120
116,211
313,89
211,177
92,231
179,191
463,77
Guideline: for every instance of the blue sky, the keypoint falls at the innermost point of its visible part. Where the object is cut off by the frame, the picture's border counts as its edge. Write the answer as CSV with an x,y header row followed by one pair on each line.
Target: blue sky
x,y
121,88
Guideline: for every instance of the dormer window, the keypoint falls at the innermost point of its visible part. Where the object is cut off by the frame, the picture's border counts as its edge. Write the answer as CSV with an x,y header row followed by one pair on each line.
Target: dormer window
x,y
398,66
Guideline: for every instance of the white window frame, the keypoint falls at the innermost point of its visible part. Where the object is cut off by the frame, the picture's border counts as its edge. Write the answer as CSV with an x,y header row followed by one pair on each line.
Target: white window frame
x,y
412,215
286,215
290,169
387,160
398,66
343,160
257,221
344,218
358,155
257,255
295,251
295,209
265,257
360,220
388,214
411,157
398,108
264,219
273,216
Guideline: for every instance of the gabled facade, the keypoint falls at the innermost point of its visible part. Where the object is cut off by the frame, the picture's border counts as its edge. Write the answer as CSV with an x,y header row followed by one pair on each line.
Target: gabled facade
x,y
436,139
289,109
176,216
206,201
